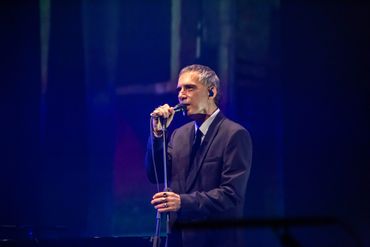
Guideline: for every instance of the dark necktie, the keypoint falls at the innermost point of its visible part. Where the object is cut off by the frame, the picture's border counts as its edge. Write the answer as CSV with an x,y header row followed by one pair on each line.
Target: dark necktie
x,y
196,145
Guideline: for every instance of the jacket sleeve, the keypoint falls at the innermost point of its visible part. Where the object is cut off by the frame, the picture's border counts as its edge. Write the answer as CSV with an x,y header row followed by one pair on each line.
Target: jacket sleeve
x,y
234,176
154,159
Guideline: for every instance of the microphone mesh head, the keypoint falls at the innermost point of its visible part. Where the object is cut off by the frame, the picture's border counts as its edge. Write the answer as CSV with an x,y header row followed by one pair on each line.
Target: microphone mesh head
x,y
179,107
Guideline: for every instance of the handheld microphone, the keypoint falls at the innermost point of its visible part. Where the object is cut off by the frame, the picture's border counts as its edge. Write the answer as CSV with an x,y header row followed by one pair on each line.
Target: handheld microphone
x,y
176,108
179,107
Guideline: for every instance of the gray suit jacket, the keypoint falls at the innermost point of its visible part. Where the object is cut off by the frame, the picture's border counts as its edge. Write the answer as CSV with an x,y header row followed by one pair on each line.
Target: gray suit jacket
x,y
215,187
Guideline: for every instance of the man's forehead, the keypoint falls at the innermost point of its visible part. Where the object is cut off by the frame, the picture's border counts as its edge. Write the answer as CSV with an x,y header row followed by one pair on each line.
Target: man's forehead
x,y
188,78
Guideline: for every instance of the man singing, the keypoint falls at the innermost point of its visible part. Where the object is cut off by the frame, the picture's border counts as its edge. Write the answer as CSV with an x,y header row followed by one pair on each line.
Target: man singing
x,y
208,162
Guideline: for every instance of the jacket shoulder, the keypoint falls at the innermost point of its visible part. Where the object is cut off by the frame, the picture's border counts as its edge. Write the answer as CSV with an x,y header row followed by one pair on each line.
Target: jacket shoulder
x,y
230,125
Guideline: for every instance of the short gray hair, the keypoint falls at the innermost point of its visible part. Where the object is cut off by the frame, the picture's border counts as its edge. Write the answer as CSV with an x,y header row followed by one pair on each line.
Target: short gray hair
x,y
206,76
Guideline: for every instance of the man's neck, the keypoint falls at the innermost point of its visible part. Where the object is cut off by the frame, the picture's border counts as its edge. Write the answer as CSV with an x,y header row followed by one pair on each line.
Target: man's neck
x,y
201,118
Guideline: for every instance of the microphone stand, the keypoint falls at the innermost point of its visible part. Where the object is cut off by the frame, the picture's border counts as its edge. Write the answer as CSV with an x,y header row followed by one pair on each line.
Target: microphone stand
x,y
157,237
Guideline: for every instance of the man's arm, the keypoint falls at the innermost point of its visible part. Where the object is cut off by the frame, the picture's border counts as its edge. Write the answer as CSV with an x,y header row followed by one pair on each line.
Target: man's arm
x,y
154,160
154,153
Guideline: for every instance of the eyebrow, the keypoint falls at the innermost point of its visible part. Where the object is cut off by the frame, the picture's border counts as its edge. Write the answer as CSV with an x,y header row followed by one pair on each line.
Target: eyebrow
x,y
186,86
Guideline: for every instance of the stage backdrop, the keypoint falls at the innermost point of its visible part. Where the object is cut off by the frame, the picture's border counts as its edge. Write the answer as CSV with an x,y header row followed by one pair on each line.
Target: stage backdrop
x,y
79,79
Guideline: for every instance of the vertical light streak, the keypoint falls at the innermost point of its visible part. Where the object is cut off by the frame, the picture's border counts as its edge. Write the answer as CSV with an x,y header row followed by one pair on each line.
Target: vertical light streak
x,y
175,38
44,42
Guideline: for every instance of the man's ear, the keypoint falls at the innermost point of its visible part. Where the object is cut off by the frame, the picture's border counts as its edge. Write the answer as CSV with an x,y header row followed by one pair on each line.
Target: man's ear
x,y
210,92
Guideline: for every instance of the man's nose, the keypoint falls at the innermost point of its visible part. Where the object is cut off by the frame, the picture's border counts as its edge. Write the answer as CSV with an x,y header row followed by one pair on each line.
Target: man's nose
x,y
181,95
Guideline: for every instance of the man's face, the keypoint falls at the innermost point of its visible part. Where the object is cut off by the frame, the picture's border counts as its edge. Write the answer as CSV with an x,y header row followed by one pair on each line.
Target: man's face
x,y
193,94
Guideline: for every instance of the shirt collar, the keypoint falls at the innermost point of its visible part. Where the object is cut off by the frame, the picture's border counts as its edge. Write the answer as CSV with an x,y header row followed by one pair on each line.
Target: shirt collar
x,y
205,126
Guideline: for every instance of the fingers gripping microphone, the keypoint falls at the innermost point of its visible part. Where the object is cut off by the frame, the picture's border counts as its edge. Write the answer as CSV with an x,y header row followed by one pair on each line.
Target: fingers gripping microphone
x,y
176,108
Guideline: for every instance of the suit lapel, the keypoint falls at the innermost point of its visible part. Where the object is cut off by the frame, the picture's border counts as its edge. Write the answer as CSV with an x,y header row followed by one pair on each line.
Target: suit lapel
x,y
187,145
204,147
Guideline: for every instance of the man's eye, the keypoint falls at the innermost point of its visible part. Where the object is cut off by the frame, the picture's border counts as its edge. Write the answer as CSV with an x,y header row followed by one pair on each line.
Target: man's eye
x,y
185,89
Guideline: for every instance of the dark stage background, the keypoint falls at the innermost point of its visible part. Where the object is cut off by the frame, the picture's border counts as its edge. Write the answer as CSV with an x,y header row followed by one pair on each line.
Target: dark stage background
x,y
79,79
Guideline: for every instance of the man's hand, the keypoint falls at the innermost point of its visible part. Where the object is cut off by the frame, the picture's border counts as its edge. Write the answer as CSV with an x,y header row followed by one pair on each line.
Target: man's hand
x,y
164,111
166,202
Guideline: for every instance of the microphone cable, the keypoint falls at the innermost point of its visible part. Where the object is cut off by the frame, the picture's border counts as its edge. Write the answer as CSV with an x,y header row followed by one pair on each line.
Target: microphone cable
x,y
157,237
